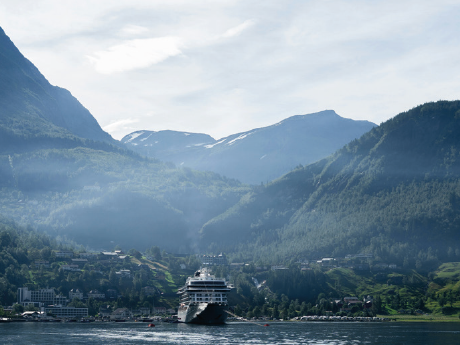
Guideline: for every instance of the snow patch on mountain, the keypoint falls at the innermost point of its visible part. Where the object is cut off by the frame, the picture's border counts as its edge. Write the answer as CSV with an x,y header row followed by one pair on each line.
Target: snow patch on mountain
x,y
133,136
212,145
242,136
144,139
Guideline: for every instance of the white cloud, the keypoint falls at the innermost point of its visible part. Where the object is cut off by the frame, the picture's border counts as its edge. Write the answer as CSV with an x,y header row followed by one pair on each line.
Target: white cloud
x,y
133,30
246,64
235,31
135,54
120,125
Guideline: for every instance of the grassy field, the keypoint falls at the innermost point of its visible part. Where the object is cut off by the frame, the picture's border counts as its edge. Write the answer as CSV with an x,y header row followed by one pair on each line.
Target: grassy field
x,y
362,283
450,271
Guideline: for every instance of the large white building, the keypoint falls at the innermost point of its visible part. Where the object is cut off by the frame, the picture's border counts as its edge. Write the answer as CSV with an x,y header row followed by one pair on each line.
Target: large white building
x,y
45,296
60,311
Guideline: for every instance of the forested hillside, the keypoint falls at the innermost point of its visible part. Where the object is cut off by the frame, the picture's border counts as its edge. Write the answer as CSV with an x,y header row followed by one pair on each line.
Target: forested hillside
x,y
101,198
18,247
61,173
394,192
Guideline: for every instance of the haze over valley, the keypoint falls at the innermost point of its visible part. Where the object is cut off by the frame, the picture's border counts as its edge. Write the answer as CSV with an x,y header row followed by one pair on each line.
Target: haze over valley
x,y
301,210
62,174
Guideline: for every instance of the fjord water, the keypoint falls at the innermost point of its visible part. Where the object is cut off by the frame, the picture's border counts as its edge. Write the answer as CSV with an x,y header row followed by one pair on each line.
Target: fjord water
x,y
340,333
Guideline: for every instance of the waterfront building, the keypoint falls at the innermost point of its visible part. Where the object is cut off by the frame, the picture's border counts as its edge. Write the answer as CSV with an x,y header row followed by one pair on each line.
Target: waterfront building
x,y
121,314
105,310
45,296
66,312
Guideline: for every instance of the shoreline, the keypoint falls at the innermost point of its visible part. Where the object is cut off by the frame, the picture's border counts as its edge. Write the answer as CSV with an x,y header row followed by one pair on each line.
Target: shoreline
x,y
422,318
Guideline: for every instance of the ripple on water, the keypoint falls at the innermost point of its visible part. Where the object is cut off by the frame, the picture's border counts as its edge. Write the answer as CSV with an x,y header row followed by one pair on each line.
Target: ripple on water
x,y
285,333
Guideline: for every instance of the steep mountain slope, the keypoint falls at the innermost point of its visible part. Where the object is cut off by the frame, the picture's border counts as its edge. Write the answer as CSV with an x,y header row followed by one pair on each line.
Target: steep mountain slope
x,y
32,110
59,172
101,198
394,192
256,156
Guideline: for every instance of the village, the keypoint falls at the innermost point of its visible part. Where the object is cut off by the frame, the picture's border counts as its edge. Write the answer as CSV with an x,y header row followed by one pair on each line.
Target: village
x,y
120,267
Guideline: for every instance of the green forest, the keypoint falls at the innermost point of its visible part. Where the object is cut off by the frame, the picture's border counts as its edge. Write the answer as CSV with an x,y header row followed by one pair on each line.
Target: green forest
x,y
393,193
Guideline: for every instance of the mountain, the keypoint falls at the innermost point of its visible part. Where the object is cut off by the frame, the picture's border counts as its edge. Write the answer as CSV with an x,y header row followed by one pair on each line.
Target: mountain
x,y
61,173
394,192
35,113
256,156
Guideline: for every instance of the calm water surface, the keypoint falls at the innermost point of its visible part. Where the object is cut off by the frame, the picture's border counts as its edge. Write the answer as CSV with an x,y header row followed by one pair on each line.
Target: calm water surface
x,y
339,333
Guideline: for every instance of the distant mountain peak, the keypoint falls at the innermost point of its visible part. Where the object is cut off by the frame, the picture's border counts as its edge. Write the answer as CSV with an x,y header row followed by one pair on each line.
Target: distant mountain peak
x,y
299,139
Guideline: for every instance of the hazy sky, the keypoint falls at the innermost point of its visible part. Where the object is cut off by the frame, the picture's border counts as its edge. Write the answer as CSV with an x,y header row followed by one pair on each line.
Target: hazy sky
x,y
226,66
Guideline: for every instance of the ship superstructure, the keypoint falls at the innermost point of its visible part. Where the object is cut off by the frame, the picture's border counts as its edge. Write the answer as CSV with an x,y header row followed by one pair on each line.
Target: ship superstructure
x,y
203,299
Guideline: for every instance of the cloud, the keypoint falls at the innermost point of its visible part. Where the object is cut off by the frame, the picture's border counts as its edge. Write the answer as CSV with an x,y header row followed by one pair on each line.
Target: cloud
x,y
235,31
119,125
135,54
132,30
247,65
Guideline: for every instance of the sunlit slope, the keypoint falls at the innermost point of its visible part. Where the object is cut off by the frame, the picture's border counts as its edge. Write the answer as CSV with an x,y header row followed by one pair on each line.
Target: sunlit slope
x,y
393,192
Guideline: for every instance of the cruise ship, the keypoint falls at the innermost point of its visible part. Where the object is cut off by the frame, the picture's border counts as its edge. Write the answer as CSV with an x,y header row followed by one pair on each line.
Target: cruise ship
x,y
203,299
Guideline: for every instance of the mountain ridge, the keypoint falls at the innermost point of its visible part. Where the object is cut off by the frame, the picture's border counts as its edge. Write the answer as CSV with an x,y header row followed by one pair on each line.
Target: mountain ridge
x,y
258,155
32,107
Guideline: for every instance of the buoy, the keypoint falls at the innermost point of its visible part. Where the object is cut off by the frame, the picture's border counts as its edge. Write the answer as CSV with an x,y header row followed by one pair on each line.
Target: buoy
x,y
266,325
151,325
